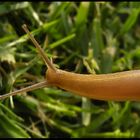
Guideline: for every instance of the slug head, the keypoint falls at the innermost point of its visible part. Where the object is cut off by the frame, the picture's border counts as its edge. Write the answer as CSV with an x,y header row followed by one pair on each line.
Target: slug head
x,y
51,70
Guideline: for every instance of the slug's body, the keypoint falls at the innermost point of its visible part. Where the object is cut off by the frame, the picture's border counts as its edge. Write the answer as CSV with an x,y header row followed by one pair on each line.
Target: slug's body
x,y
119,86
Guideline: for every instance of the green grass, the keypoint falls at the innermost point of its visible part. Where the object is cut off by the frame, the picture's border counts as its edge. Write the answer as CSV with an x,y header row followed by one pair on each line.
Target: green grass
x,y
83,37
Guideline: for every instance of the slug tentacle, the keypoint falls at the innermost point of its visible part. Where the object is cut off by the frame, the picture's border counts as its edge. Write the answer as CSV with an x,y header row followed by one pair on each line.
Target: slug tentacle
x,y
40,50
26,89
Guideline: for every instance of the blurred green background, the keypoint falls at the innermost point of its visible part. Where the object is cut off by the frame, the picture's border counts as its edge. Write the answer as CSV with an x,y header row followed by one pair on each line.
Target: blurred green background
x,y
82,37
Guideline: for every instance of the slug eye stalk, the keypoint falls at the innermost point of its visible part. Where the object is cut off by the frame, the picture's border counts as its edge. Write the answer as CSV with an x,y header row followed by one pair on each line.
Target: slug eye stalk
x,y
40,50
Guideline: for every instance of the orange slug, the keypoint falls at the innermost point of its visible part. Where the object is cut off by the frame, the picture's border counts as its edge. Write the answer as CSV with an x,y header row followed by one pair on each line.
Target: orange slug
x,y
120,86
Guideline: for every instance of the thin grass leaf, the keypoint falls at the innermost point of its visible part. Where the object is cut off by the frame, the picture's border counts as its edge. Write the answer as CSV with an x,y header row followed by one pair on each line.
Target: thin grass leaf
x,y
57,8
131,20
24,38
59,42
97,39
115,134
81,17
10,113
9,7
86,116
11,128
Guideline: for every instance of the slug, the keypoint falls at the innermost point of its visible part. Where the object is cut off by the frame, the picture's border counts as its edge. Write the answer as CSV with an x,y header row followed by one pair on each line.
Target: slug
x,y
120,86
